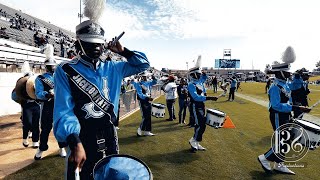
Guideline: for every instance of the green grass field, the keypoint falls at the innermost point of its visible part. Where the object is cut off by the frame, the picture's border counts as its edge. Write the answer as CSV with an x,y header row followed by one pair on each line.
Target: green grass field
x,y
231,153
257,90
314,78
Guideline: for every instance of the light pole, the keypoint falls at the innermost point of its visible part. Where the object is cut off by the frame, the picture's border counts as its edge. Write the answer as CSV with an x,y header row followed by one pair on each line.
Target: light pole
x,y
80,15
187,65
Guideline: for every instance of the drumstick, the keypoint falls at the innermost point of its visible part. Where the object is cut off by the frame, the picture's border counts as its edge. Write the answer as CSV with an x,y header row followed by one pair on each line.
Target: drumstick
x,y
117,39
315,104
311,107
76,174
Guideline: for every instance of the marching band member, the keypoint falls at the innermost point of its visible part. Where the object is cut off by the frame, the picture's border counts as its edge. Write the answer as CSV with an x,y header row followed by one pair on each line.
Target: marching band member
x,y
300,90
87,94
44,92
30,115
198,96
280,108
143,89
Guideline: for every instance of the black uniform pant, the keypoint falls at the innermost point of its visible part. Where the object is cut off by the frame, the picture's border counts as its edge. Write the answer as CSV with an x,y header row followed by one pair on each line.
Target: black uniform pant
x,y
145,108
191,117
200,119
30,120
231,93
90,146
277,119
182,109
46,125
170,106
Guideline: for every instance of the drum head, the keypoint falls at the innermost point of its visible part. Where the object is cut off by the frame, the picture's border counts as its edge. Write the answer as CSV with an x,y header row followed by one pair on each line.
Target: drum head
x,y
124,167
216,112
30,87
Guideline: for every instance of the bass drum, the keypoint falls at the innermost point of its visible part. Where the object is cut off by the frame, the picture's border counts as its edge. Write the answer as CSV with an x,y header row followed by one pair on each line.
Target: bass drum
x,y
21,89
121,167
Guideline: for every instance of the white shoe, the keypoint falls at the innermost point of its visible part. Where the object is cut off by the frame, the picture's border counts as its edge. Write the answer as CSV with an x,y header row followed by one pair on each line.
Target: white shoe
x,y
193,143
35,144
200,148
264,163
25,142
30,135
280,167
38,154
139,132
62,152
148,133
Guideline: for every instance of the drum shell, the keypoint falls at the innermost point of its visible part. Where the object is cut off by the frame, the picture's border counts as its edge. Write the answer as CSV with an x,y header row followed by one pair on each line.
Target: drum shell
x,y
158,110
215,118
21,89
313,135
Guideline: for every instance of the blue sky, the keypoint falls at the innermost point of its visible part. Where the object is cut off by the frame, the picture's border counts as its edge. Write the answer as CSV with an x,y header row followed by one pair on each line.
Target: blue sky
x,y
173,32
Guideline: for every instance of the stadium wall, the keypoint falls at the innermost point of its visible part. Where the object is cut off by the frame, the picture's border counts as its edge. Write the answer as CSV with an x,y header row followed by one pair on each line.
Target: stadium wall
x,y
7,83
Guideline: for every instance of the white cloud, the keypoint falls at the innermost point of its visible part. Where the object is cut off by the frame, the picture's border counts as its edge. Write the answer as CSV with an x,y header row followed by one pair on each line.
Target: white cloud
x,y
256,30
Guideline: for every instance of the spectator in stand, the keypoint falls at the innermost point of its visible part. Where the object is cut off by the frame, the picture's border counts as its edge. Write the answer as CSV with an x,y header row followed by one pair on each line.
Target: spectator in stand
x,y
62,47
36,39
71,54
3,33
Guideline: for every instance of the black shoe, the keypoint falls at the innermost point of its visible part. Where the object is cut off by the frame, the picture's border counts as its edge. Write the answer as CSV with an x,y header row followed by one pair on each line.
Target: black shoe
x,y
169,119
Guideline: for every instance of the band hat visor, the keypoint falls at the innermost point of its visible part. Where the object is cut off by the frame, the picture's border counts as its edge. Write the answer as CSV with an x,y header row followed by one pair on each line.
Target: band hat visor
x,y
91,32
195,70
50,62
280,67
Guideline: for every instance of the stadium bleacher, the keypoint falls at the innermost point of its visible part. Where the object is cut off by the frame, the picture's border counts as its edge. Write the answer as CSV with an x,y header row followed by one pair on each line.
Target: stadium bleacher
x,y
25,35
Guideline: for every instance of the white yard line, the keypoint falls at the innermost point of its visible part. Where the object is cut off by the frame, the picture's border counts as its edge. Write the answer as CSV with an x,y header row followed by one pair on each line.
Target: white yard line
x,y
264,103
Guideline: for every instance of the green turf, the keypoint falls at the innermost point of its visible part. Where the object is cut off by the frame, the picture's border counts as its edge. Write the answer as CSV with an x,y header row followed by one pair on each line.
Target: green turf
x,y
257,90
314,78
231,153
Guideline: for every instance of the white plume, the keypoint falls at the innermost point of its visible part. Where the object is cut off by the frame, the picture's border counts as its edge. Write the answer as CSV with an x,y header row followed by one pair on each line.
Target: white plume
x,y
289,56
198,63
267,70
48,51
93,9
25,67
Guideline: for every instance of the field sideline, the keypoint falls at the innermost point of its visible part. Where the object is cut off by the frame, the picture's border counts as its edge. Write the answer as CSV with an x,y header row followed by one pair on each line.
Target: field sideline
x,y
231,154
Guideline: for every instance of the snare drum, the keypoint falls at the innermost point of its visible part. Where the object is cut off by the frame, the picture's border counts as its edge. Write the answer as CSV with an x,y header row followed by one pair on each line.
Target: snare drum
x,y
119,167
313,131
215,118
158,110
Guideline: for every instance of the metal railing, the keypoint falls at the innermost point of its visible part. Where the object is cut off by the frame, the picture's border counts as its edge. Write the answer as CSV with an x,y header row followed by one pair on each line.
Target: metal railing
x,y
129,102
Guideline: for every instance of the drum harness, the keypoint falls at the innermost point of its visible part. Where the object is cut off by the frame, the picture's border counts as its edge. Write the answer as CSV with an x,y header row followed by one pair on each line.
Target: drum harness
x,y
101,142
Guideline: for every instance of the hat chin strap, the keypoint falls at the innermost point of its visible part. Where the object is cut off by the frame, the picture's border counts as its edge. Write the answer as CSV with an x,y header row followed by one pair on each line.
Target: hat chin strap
x,y
283,75
84,53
